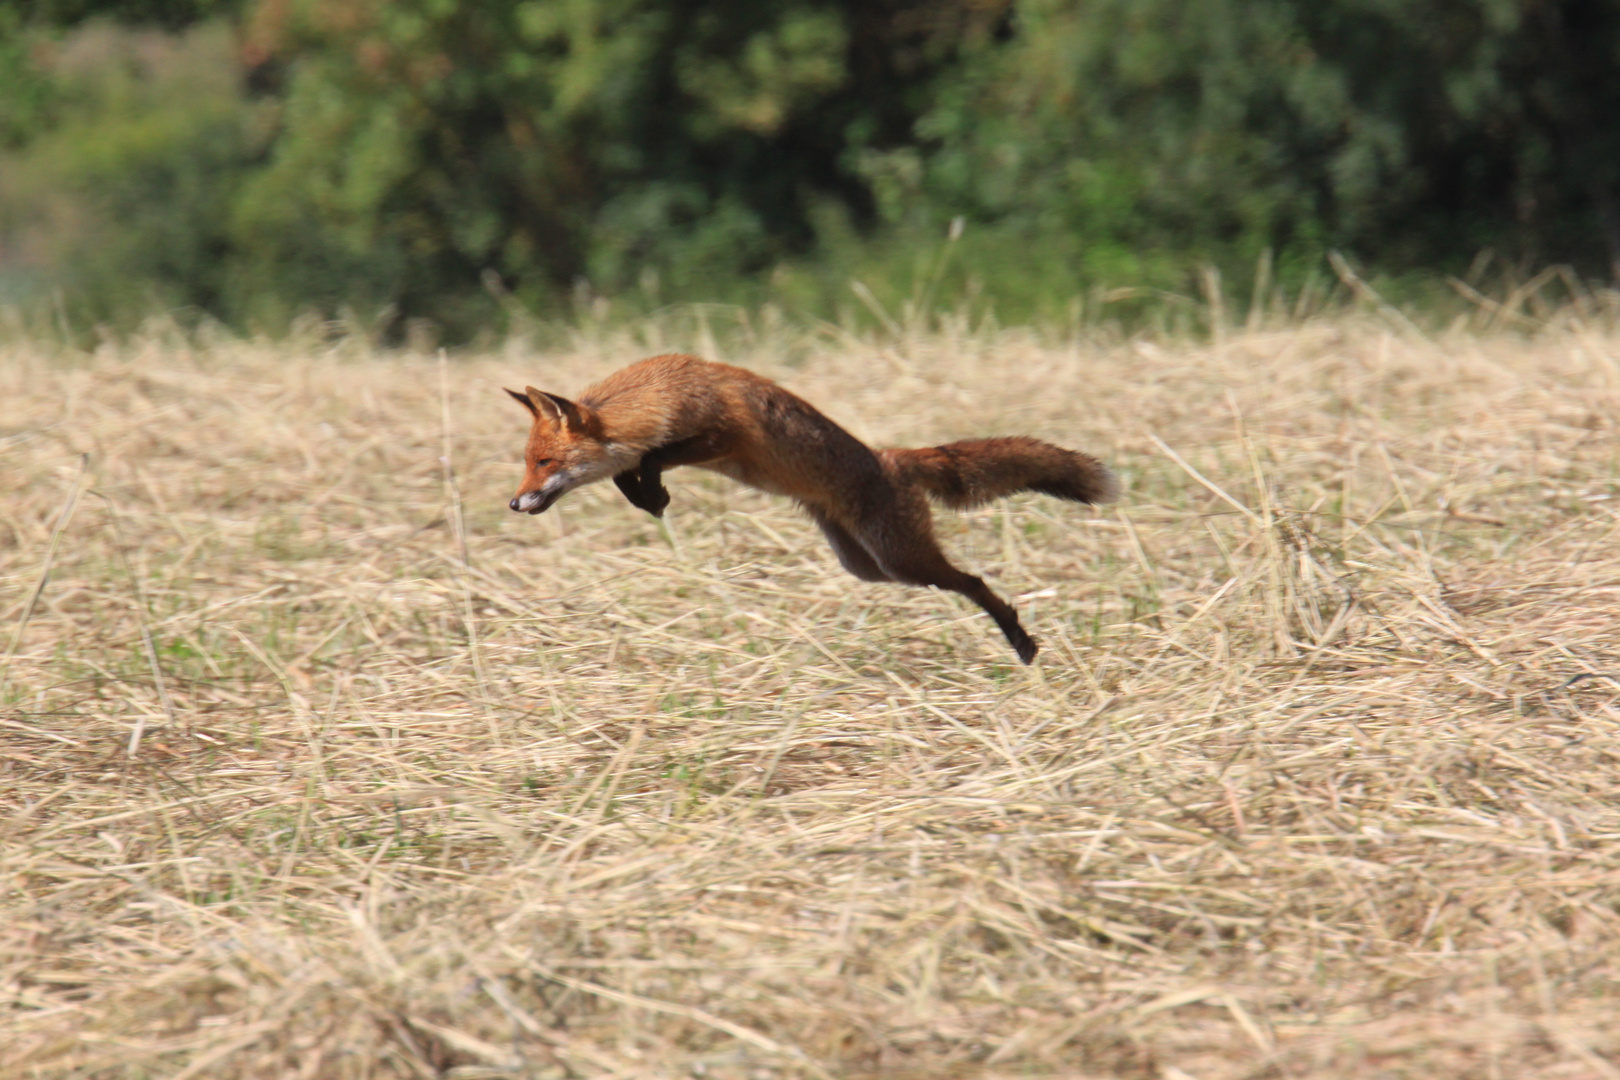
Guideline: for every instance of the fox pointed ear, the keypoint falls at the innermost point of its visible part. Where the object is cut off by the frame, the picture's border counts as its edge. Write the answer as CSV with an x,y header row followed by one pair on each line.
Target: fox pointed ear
x,y
523,399
564,412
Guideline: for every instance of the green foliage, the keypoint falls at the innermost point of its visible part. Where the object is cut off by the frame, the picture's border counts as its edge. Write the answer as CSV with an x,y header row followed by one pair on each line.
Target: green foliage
x,y
120,197
164,14
1130,140
428,147
24,103
426,158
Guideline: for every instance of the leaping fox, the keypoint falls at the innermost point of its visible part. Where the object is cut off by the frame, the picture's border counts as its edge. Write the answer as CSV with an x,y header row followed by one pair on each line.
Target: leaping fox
x,y
679,410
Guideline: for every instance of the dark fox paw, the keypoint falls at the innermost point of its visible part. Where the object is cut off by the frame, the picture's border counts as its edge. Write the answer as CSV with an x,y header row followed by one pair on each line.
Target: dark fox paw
x,y
651,497
1022,644
656,501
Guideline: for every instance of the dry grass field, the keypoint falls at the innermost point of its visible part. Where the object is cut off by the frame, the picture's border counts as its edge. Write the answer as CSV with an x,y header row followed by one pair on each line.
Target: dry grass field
x,y
316,761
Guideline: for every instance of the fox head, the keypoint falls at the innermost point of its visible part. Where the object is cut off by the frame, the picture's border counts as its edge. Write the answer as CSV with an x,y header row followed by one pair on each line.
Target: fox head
x,y
565,449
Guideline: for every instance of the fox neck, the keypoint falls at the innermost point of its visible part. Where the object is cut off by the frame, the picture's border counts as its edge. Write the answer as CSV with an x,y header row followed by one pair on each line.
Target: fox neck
x,y
615,458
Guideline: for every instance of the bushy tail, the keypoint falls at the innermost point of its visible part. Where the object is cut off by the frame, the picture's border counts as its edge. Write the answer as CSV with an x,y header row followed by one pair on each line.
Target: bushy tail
x,y
971,473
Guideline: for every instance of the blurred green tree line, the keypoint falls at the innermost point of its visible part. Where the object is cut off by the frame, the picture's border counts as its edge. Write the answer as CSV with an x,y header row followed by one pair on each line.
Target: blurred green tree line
x,y
443,159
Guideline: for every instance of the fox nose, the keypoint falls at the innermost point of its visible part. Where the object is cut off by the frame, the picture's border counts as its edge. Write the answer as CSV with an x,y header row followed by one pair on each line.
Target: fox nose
x,y
529,502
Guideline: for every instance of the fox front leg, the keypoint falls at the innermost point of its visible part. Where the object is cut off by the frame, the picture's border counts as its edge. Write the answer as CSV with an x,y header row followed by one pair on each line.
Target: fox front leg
x,y
644,488
644,484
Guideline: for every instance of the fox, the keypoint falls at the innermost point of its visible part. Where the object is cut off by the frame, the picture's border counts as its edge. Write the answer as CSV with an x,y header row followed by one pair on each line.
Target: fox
x,y
872,505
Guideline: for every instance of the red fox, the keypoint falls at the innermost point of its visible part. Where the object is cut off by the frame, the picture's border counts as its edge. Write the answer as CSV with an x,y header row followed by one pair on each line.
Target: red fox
x,y
679,410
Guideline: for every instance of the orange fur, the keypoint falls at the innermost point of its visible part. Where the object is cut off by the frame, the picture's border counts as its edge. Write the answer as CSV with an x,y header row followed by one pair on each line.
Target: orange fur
x,y
873,507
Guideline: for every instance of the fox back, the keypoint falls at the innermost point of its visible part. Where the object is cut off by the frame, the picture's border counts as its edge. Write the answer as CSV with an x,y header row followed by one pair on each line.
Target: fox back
x,y
736,423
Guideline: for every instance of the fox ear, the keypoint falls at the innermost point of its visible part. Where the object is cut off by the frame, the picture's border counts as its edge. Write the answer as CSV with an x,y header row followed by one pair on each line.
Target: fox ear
x,y
523,399
559,409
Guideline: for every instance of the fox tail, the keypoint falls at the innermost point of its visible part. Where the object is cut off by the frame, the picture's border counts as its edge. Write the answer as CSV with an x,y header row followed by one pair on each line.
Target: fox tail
x,y
966,474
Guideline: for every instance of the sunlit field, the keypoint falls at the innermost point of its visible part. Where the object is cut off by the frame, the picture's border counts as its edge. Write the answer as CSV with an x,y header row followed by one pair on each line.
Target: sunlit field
x,y
316,761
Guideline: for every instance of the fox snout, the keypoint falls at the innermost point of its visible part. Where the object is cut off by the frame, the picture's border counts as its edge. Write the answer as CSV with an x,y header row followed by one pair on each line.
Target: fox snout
x,y
536,494
532,502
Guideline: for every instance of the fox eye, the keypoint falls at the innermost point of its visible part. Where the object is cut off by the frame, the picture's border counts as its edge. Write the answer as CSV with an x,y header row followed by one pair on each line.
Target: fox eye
x,y
541,463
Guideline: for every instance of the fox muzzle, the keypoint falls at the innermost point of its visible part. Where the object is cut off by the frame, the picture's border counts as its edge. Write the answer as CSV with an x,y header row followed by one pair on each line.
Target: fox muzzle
x,y
533,502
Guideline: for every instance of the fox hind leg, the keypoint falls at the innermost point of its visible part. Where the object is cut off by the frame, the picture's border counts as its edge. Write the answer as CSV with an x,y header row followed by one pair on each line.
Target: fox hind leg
x,y
949,577
911,556
854,557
